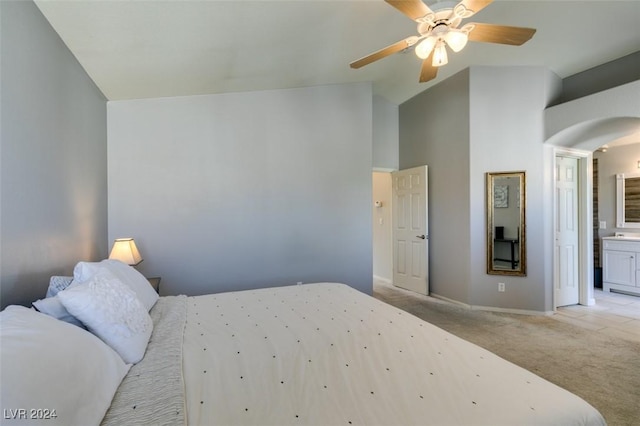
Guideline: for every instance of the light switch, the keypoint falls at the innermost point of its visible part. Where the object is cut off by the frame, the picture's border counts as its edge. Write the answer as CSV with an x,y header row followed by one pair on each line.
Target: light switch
x,y
380,221
603,224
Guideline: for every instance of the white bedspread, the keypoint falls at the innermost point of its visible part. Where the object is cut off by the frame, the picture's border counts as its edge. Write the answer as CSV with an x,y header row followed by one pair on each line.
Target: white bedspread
x,y
327,354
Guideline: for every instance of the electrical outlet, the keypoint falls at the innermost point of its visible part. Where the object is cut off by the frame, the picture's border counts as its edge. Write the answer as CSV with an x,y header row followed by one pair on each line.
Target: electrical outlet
x,y
501,287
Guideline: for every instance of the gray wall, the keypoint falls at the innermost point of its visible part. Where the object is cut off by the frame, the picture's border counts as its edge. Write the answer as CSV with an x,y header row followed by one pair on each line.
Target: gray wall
x,y
434,131
507,134
606,76
385,159
53,198
385,134
244,190
480,120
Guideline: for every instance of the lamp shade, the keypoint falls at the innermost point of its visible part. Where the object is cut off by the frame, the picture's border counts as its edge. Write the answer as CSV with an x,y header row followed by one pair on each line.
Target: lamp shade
x,y
456,39
440,55
125,250
423,50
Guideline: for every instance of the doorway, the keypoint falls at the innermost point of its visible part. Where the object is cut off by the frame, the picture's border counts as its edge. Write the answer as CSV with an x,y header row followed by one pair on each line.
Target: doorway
x,y
566,248
572,225
410,231
400,228
381,221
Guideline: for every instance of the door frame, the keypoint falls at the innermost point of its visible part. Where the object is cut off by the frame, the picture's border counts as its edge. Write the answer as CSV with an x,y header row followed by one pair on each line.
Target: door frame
x,y
386,246
425,237
585,222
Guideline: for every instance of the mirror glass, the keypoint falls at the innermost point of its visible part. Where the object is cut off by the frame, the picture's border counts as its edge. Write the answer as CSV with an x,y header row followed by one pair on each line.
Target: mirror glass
x,y
628,200
506,236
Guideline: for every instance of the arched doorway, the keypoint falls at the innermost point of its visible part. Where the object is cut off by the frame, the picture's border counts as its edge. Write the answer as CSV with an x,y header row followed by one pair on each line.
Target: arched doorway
x,y
576,129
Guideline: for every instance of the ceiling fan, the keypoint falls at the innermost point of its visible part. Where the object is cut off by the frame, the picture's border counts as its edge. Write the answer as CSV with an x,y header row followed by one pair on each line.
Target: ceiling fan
x,y
439,26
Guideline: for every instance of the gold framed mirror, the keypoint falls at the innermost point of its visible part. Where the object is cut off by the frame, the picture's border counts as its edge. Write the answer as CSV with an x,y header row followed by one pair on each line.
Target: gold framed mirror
x,y
506,226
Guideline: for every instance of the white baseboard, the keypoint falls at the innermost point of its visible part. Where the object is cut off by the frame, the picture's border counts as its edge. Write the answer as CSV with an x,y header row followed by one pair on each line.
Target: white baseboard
x,y
512,311
491,308
383,280
452,301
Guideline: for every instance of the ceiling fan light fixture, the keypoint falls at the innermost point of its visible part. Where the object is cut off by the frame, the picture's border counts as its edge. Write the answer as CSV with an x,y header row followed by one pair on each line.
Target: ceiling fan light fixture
x,y
423,50
439,26
440,55
456,39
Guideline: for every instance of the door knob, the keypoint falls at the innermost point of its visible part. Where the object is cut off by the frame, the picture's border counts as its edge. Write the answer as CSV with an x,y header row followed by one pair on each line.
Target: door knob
x,y
422,237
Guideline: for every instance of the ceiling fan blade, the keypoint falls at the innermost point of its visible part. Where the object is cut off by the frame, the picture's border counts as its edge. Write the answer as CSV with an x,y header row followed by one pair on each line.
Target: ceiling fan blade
x,y
473,6
428,71
383,53
502,34
414,9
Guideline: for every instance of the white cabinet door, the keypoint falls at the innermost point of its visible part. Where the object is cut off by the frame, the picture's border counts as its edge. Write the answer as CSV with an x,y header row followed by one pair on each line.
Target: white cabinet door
x,y
619,267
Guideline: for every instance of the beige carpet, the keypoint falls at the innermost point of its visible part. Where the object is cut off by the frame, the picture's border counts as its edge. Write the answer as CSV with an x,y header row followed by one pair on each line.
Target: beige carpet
x,y
603,370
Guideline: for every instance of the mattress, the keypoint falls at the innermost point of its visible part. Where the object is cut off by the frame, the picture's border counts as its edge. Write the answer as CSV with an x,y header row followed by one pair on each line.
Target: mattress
x,y
328,354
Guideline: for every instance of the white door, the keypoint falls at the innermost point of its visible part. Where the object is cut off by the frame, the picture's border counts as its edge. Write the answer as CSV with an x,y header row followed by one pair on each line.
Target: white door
x,y
566,253
410,231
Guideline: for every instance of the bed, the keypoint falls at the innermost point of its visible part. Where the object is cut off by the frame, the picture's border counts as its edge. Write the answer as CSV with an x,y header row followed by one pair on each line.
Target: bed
x,y
322,354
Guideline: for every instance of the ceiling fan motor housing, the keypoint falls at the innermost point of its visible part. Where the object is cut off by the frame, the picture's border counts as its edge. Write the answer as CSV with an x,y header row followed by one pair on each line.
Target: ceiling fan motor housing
x,y
443,18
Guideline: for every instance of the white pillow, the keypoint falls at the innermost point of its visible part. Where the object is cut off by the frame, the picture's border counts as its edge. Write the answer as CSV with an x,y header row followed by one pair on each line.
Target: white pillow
x,y
54,308
111,311
57,284
51,365
128,275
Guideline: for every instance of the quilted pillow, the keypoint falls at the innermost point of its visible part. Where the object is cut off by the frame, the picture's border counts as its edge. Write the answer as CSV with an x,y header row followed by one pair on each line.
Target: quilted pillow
x,y
113,312
47,364
57,284
125,273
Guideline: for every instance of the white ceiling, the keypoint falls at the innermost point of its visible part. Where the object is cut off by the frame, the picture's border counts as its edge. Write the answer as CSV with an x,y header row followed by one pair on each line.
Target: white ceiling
x,y
143,49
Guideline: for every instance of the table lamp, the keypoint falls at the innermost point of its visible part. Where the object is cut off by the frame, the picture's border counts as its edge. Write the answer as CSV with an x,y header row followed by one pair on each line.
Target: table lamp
x,y
125,250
